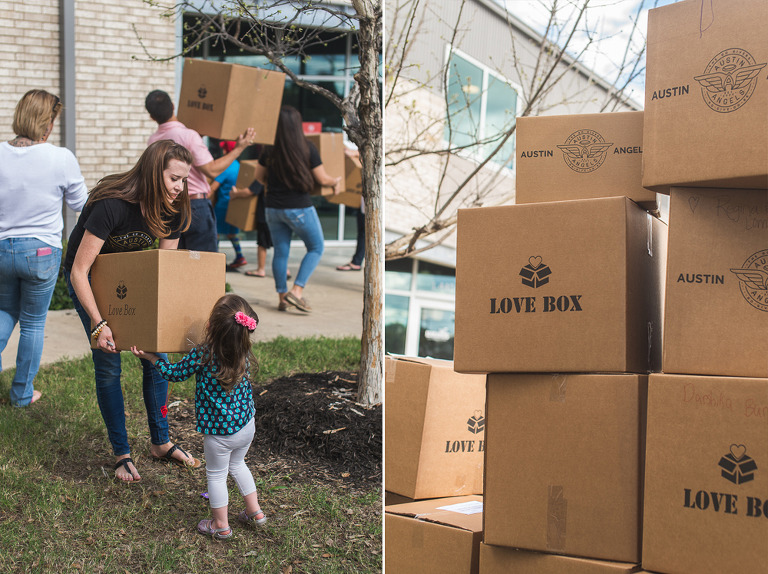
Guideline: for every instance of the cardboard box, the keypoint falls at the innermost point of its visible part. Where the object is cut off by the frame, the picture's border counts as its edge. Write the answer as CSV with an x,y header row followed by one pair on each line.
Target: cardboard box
x,y
435,428
706,95
581,156
158,300
392,498
566,477
706,481
716,313
353,174
567,286
434,536
247,173
353,178
241,212
331,148
222,100
499,560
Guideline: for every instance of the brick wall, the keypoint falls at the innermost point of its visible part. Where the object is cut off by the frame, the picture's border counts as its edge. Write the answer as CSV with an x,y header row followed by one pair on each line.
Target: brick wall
x,y
29,55
113,75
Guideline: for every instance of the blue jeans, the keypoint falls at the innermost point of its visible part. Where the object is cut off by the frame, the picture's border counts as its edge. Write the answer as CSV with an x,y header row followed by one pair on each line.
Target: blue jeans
x,y
306,224
28,272
109,393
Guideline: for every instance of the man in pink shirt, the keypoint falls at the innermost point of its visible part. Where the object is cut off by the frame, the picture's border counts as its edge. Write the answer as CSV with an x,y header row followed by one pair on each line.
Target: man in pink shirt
x,y
201,235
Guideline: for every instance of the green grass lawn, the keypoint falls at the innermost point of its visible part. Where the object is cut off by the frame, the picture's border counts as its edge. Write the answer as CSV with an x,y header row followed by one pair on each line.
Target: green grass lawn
x,y
61,509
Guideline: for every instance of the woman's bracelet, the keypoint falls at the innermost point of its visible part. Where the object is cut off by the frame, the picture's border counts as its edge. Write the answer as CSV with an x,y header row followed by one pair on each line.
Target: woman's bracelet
x,y
97,329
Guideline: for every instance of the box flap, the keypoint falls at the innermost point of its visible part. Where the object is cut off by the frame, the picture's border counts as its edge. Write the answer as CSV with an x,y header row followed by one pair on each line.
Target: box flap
x,y
450,511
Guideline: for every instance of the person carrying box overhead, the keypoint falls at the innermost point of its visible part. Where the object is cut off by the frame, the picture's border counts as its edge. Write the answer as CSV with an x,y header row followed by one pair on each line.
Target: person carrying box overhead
x,y
201,235
290,169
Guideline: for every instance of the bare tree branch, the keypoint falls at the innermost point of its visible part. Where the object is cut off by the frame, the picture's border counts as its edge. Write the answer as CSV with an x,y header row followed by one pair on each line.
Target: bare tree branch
x,y
539,73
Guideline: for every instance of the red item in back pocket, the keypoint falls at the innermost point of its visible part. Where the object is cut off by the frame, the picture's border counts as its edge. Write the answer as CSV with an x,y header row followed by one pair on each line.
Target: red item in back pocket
x,y
43,251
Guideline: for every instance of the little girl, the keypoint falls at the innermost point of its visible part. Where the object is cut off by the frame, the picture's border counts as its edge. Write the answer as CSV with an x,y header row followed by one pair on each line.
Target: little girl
x,y
223,405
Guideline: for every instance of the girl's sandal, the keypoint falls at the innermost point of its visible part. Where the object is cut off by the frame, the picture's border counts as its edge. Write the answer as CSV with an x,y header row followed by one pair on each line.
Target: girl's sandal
x,y
246,518
206,527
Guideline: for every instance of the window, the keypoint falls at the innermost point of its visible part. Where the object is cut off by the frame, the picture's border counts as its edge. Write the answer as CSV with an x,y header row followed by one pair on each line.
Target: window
x,y
482,107
419,308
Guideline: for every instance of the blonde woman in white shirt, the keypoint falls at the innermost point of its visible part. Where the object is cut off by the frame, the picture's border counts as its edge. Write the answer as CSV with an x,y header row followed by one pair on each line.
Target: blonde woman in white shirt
x,y
36,178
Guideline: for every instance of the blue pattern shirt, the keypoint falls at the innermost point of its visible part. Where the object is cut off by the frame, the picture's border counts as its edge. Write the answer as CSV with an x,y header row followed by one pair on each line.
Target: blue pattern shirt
x,y
218,412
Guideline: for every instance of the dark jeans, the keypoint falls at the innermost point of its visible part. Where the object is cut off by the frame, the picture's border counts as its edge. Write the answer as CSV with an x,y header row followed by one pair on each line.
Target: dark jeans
x,y
357,258
201,235
109,393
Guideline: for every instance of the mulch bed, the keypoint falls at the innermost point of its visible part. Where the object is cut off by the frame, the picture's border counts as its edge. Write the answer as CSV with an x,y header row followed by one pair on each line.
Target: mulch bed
x,y
309,425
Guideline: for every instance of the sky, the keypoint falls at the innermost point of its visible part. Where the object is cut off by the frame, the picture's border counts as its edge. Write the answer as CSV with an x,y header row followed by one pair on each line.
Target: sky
x,y
611,23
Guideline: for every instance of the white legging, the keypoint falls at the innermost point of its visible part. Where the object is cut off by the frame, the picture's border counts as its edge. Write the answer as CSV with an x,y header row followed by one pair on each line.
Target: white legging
x,y
226,453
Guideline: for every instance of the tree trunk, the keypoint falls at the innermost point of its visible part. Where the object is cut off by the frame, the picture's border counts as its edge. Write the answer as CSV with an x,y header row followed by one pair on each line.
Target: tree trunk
x,y
369,390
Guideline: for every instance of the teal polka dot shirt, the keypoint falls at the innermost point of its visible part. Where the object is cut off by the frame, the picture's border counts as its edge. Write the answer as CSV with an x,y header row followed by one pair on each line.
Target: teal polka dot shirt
x,y
218,412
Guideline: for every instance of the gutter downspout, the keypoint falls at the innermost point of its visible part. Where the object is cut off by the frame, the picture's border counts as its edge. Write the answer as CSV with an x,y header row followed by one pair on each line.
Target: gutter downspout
x,y
67,90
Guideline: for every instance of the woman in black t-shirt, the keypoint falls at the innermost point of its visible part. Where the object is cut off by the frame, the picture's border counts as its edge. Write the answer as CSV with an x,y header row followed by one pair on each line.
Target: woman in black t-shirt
x,y
127,212
290,169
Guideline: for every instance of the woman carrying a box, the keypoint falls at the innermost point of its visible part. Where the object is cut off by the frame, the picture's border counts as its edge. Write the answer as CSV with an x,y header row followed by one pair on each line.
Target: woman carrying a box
x,y
290,169
35,176
128,212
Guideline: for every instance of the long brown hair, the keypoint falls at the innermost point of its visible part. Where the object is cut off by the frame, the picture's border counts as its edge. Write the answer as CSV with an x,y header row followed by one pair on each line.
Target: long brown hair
x,y
289,156
34,113
144,184
227,343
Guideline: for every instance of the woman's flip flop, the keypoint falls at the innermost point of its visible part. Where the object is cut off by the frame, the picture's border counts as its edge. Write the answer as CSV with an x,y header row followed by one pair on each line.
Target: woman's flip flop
x,y
168,458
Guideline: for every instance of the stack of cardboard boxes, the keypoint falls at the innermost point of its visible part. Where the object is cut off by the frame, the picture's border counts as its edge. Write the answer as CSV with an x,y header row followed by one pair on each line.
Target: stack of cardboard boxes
x,y
706,140
435,429
591,464
559,299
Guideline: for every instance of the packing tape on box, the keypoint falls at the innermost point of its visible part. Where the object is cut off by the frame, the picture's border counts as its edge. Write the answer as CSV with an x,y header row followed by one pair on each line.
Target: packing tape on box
x,y
557,509
650,344
557,388
389,372
649,220
194,255
417,536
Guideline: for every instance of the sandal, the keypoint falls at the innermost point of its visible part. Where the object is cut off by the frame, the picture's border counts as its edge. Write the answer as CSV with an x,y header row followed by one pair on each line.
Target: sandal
x,y
297,302
124,462
246,518
206,527
168,458
252,273
349,267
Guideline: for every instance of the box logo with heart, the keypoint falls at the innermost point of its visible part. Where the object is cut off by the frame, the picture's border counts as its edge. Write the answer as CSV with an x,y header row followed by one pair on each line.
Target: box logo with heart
x,y
736,466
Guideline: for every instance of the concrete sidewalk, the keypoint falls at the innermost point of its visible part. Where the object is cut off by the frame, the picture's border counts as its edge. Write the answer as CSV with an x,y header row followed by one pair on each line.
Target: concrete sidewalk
x,y
336,299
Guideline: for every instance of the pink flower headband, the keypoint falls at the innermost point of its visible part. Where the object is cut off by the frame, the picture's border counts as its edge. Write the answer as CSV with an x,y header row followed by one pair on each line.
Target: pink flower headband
x,y
246,321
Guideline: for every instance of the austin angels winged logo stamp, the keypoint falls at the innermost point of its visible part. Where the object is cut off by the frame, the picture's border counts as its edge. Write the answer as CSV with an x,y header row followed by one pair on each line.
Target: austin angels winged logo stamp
x,y
585,150
729,80
753,280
